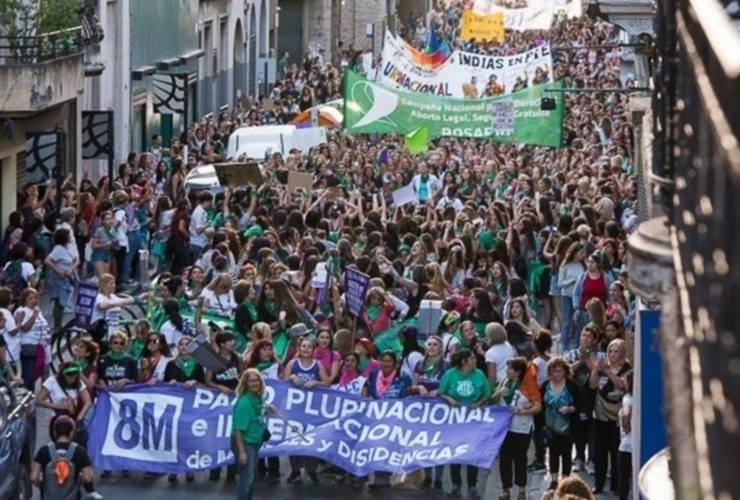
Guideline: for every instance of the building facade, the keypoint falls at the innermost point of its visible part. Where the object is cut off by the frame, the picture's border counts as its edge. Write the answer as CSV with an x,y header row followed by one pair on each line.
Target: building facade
x,y
329,26
41,83
215,45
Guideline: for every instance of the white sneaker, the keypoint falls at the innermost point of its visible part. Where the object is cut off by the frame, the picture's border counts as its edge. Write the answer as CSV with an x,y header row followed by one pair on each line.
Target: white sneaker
x,y
578,465
590,468
94,495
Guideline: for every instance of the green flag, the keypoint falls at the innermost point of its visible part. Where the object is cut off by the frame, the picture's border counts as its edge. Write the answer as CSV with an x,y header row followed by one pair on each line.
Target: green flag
x,y
417,141
370,108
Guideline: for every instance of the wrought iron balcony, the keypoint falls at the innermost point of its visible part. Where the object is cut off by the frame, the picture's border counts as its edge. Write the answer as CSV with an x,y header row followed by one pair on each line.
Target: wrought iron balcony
x,y
24,50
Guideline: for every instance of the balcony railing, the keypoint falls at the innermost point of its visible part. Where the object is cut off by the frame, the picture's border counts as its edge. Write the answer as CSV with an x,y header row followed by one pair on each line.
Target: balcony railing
x,y
23,50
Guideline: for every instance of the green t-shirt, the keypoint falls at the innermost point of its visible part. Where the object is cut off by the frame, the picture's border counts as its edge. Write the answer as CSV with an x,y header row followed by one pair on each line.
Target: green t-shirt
x,y
136,347
465,388
247,418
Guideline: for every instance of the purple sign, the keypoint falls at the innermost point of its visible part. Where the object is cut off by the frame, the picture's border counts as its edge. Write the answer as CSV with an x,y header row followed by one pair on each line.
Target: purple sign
x,y
171,429
356,285
86,294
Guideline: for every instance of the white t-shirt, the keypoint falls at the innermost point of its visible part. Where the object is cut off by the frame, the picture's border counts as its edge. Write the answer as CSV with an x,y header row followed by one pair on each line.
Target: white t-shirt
x,y
625,438
541,365
158,373
409,364
13,341
112,315
499,354
222,305
63,257
449,342
121,224
27,270
57,394
198,220
271,372
521,424
171,333
38,333
72,246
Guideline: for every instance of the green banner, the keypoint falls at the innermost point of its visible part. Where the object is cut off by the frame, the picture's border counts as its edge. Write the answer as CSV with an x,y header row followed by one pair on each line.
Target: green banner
x,y
370,108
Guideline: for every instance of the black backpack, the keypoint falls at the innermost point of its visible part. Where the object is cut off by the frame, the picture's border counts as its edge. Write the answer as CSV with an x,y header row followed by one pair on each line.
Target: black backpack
x,y
12,278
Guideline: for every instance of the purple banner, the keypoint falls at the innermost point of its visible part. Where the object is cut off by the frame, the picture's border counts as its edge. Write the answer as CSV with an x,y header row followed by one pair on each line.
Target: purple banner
x,y
356,285
171,429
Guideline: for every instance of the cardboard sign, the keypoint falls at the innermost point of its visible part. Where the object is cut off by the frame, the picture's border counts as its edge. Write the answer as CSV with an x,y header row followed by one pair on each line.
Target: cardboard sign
x,y
306,138
299,180
430,314
268,104
404,196
238,174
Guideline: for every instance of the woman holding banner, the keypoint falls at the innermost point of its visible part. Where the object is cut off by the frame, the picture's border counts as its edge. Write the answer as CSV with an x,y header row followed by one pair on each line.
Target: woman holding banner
x,y
464,384
264,360
248,429
305,371
226,381
387,383
427,375
184,369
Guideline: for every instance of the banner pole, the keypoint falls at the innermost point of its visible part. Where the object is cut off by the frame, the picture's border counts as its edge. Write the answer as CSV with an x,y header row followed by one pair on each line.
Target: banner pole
x,y
291,426
354,332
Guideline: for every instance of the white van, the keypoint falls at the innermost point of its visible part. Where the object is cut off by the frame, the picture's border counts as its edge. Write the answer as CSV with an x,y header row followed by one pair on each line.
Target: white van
x,y
254,142
203,178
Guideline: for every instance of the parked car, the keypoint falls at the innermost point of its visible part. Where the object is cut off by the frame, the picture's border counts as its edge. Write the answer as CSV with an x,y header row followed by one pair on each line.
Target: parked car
x,y
17,440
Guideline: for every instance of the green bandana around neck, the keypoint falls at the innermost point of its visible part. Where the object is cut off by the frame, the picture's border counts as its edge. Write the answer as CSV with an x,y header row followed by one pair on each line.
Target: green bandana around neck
x,y
372,311
186,365
116,356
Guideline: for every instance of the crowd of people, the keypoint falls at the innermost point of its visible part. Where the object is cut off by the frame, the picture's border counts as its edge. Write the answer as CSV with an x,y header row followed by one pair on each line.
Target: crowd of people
x,y
523,247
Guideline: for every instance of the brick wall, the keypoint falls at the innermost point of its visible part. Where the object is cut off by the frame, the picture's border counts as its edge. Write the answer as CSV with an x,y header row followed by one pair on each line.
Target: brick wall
x,y
354,17
318,27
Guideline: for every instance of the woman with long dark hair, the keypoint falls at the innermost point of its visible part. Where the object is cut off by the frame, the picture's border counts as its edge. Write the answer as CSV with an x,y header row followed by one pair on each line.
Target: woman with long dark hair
x,y
524,404
225,380
175,326
481,312
464,384
178,243
154,359
592,284
582,361
387,383
65,394
571,268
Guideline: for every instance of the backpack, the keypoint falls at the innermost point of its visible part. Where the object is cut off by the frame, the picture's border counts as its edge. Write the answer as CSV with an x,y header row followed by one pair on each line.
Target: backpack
x,y
60,475
42,245
12,277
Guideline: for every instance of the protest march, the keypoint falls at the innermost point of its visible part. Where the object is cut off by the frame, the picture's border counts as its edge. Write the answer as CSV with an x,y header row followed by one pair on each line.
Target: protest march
x,y
433,280
174,430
